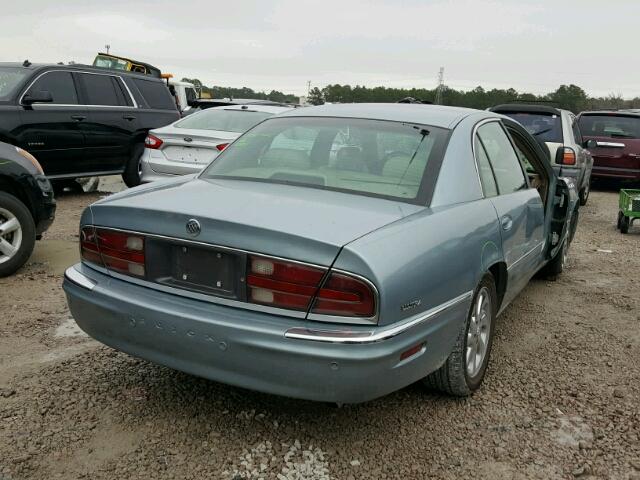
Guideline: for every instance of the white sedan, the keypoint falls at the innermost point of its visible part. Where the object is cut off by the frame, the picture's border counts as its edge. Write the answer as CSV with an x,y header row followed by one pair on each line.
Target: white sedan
x,y
191,143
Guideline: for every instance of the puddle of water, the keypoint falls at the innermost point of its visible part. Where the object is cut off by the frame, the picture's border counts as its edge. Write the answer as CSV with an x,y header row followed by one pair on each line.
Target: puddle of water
x,y
69,329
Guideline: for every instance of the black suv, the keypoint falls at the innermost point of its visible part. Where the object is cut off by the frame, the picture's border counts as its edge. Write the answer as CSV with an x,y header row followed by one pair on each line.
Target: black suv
x,y
27,207
82,121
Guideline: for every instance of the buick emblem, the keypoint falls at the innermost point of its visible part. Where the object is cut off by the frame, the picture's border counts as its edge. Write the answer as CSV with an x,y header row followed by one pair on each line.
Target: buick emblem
x,y
188,139
193,227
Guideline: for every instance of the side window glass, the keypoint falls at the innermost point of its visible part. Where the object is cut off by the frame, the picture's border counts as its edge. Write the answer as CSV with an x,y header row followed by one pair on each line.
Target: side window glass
x,y
101,90
60,85
156,94
484,170
506,166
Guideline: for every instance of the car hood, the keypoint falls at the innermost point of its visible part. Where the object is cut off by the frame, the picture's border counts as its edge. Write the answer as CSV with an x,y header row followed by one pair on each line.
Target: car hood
x,y
300,223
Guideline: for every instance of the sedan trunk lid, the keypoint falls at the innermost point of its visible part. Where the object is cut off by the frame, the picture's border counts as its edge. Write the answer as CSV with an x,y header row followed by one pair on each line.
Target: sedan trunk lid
x,y
299,223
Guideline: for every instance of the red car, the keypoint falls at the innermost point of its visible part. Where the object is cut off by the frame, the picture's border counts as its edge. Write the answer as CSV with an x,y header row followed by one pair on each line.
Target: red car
x,y
617,135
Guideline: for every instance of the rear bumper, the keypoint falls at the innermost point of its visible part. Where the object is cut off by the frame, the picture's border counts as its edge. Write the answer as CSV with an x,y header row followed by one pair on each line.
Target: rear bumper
x,y
249,349
155,166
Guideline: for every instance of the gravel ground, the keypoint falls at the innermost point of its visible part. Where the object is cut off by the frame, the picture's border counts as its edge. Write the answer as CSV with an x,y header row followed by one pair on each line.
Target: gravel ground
x,y
561,399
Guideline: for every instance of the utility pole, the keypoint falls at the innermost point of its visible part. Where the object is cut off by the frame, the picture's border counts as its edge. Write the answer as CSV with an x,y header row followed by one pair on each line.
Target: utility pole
x,y
107,46
308,87
440,88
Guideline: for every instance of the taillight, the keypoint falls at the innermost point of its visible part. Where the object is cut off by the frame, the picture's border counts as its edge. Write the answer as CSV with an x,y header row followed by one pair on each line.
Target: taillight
x,y
345,295
118,251
282,284
568,156
152,142
294,286
221,146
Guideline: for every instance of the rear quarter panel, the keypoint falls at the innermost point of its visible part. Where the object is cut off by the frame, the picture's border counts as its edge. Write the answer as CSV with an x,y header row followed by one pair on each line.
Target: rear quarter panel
x,y
426,259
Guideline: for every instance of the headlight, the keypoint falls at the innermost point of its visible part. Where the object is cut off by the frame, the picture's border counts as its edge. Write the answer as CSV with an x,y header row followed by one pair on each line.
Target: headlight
x,y
31,158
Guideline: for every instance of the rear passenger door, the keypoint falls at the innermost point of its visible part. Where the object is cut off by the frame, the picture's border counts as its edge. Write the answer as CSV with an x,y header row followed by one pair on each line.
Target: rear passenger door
x,y
51,131
520,209
111,124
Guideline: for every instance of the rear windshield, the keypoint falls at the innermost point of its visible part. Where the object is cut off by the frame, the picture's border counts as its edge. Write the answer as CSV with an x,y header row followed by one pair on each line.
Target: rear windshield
x,y
221,119
546,126
10,79
369,157
613,126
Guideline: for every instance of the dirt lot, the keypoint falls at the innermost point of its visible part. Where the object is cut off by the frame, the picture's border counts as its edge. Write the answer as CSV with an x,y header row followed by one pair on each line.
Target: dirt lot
x,y
561,399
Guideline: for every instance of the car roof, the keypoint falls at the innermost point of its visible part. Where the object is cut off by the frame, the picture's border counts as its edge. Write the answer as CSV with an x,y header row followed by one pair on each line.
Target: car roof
x,y
613,113
435,115
81,68
275,109
526,108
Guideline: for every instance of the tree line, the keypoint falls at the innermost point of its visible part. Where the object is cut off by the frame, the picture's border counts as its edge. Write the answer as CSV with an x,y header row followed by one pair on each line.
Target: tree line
x,y
570,97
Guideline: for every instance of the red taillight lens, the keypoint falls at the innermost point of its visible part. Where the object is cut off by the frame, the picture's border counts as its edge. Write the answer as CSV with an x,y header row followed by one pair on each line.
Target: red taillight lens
x,y
344,295
221,146
282,284
294,286
568,156
119,251
152,142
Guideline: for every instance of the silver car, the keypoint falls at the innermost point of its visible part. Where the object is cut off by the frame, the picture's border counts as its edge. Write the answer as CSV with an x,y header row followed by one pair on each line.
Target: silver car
x,y
559,130
287,269
191,143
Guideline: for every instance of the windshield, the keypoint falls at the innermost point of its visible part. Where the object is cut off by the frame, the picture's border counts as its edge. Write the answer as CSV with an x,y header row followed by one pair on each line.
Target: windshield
x,y
613,126
10,79
110,62
371,157
547,127
223,119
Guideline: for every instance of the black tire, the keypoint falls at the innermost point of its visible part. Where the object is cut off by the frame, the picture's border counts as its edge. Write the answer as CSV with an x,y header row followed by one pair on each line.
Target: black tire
x,y
131,174
619,224
19,210
452,377
555,267
574,225
624,224
584,195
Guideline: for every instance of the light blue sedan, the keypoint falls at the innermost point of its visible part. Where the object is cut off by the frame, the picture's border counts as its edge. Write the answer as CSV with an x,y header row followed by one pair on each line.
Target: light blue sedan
x,y
335,253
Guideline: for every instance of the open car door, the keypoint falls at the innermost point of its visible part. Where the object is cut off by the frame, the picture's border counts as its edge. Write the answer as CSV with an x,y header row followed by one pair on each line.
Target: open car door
x,y
560,195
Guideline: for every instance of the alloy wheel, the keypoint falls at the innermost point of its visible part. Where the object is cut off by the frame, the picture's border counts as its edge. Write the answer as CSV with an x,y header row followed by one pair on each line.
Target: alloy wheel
x,y
478,333
10,235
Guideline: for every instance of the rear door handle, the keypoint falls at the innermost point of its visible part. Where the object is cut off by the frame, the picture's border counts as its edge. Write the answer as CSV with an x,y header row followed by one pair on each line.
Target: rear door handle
x,y
506,222
129,117
79,118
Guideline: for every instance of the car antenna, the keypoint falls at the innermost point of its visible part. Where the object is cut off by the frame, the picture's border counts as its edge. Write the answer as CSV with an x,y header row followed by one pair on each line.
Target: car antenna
x,y
26,63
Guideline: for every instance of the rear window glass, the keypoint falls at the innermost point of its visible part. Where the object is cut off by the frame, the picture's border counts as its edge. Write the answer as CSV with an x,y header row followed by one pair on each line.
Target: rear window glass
x,y
225,120
613,126
156,94
370,157
547,127
10,78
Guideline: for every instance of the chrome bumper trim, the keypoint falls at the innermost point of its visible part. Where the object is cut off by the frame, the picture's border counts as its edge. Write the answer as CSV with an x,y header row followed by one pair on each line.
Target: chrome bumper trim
x,y
372,336
79,278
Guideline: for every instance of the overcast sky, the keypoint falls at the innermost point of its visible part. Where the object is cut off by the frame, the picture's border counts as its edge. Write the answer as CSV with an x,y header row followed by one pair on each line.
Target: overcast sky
x,y
531,46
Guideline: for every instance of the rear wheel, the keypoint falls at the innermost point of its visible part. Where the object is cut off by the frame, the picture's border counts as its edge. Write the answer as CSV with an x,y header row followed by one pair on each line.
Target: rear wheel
x,y
133,169
584,194
465,368
17,234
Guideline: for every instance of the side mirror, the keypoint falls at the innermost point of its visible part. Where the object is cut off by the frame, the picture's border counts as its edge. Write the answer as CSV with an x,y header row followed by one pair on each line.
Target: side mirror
x,y
591,143
39,96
